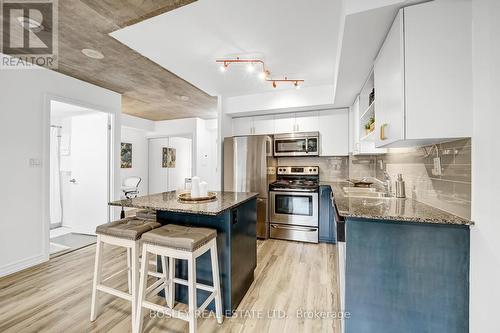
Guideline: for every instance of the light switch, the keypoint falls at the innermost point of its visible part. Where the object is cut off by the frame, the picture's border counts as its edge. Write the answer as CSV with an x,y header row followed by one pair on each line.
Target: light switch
x,y
35,163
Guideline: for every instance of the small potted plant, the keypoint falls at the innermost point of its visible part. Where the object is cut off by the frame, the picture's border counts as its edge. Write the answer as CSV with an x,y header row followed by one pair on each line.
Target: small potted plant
x,y
370,125
367,128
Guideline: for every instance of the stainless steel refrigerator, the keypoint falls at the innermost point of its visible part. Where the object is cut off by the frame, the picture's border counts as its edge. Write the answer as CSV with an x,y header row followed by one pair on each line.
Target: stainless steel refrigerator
x,y
246,163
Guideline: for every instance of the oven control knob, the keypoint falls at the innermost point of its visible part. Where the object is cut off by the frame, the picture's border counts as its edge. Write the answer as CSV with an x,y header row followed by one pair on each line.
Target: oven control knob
x,y
310,170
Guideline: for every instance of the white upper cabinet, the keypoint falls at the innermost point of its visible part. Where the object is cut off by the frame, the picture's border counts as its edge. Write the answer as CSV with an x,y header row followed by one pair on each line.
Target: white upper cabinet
x,y
263,125
284,123
307,121
334,132
332,125
423,76
389,83
242,126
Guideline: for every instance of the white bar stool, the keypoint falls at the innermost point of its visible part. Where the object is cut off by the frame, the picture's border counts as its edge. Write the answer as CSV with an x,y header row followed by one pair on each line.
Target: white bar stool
x,y
125,233
185,243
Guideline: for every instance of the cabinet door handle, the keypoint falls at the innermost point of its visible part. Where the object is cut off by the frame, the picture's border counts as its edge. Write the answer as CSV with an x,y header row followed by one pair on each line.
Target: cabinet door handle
x,y
382,132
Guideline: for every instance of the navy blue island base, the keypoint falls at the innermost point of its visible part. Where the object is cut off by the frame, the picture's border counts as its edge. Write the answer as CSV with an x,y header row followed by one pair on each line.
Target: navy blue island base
x,y
237,251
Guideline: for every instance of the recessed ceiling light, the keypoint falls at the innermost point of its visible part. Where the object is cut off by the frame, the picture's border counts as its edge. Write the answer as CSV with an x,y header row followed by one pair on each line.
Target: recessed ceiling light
x,y
94,54
30,24
183,98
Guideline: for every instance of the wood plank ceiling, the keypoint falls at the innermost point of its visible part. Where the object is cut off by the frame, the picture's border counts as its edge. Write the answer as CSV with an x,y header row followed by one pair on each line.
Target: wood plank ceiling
x,y
148,90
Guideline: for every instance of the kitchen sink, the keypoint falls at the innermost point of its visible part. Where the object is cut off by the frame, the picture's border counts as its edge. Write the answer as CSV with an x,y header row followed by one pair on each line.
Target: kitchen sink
x,y
361,192
359,189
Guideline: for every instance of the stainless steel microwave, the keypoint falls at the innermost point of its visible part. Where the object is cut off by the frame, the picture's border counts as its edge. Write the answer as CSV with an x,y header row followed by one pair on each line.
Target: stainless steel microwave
x,y
296,144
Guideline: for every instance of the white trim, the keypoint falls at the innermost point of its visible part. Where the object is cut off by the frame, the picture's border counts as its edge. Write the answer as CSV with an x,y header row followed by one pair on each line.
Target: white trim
x,y
22,264
45,202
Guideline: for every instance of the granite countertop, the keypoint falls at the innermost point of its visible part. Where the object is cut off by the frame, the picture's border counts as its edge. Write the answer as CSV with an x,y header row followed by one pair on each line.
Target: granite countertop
x,y
391,209
167,201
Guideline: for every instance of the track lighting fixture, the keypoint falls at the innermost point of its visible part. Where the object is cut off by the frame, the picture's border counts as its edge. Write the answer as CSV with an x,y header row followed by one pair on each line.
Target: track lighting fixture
x,y
264,74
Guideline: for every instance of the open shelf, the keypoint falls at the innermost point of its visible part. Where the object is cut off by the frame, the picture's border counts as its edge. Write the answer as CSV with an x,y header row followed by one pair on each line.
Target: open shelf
x,y
369,110
369,137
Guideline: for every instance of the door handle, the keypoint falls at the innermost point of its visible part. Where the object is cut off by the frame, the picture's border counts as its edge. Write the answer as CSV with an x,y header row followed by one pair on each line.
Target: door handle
x,y
293,228
72,181
382,132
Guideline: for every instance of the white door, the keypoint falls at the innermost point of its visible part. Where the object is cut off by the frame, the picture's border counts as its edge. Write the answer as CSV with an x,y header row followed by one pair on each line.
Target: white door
x,y
158,175
183,163
161,178
89,188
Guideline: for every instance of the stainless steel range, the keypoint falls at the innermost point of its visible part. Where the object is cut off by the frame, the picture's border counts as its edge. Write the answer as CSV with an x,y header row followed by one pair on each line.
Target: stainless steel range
x,y
294,204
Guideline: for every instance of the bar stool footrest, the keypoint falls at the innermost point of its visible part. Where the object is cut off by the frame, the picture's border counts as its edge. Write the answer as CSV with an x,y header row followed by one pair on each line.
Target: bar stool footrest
x,y
114,292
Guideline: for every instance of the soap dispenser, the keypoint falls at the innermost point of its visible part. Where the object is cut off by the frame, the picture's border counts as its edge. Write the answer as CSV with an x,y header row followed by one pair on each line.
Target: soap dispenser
x,y
400,187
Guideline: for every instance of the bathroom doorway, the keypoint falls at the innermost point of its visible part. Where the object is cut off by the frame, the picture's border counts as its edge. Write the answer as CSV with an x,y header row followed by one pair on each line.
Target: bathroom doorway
x,y
79,175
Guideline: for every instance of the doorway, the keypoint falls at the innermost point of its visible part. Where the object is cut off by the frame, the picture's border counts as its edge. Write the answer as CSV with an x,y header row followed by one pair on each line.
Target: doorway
x,y
168,173
79,175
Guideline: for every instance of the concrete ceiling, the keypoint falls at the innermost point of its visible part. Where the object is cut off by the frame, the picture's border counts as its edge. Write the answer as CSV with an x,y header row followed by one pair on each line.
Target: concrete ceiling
x,y
149,90
294,37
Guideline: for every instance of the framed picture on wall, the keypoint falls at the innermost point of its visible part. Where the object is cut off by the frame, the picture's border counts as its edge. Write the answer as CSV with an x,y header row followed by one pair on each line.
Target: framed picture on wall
x,y
168,157
126,155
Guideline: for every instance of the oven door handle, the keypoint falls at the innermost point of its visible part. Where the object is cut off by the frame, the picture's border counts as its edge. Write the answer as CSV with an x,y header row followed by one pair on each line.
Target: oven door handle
x,y
292,228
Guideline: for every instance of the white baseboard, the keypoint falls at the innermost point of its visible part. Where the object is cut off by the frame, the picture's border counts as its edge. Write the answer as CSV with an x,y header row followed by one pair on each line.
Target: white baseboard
x,y
22,264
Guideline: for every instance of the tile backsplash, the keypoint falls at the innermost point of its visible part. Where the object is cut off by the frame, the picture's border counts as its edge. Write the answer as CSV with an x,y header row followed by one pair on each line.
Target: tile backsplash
x,y
449,190
330,168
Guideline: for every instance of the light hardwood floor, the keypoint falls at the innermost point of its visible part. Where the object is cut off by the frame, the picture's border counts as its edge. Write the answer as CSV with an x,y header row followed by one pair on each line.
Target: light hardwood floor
x,y
55,296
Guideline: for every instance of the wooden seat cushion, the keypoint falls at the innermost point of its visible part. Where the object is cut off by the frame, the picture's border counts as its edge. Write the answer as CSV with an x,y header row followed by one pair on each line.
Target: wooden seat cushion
x,y
179,237
128,228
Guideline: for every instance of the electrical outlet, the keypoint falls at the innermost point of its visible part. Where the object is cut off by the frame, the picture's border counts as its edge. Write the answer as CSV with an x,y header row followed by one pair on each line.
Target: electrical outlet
x,y
436,171
271,170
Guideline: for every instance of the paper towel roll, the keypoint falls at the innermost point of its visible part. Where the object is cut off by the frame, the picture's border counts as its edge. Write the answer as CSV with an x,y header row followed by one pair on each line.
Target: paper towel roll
x,y
203,189
195,187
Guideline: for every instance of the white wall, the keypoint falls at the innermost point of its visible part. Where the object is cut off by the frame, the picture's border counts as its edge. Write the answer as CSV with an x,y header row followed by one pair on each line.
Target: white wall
x,y
485,235
206,153
304,99
24,119
137,138
204,134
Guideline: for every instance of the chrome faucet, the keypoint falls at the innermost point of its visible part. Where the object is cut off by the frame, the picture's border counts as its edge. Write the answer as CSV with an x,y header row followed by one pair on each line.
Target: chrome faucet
x,y
387,184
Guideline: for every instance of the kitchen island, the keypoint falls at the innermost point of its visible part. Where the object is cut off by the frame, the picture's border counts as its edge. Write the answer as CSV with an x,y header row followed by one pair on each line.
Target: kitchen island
x,y
406,265
234,216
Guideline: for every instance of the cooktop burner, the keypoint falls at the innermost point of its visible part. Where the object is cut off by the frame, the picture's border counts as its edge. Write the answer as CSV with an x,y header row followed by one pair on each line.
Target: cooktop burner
x,y
291,178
